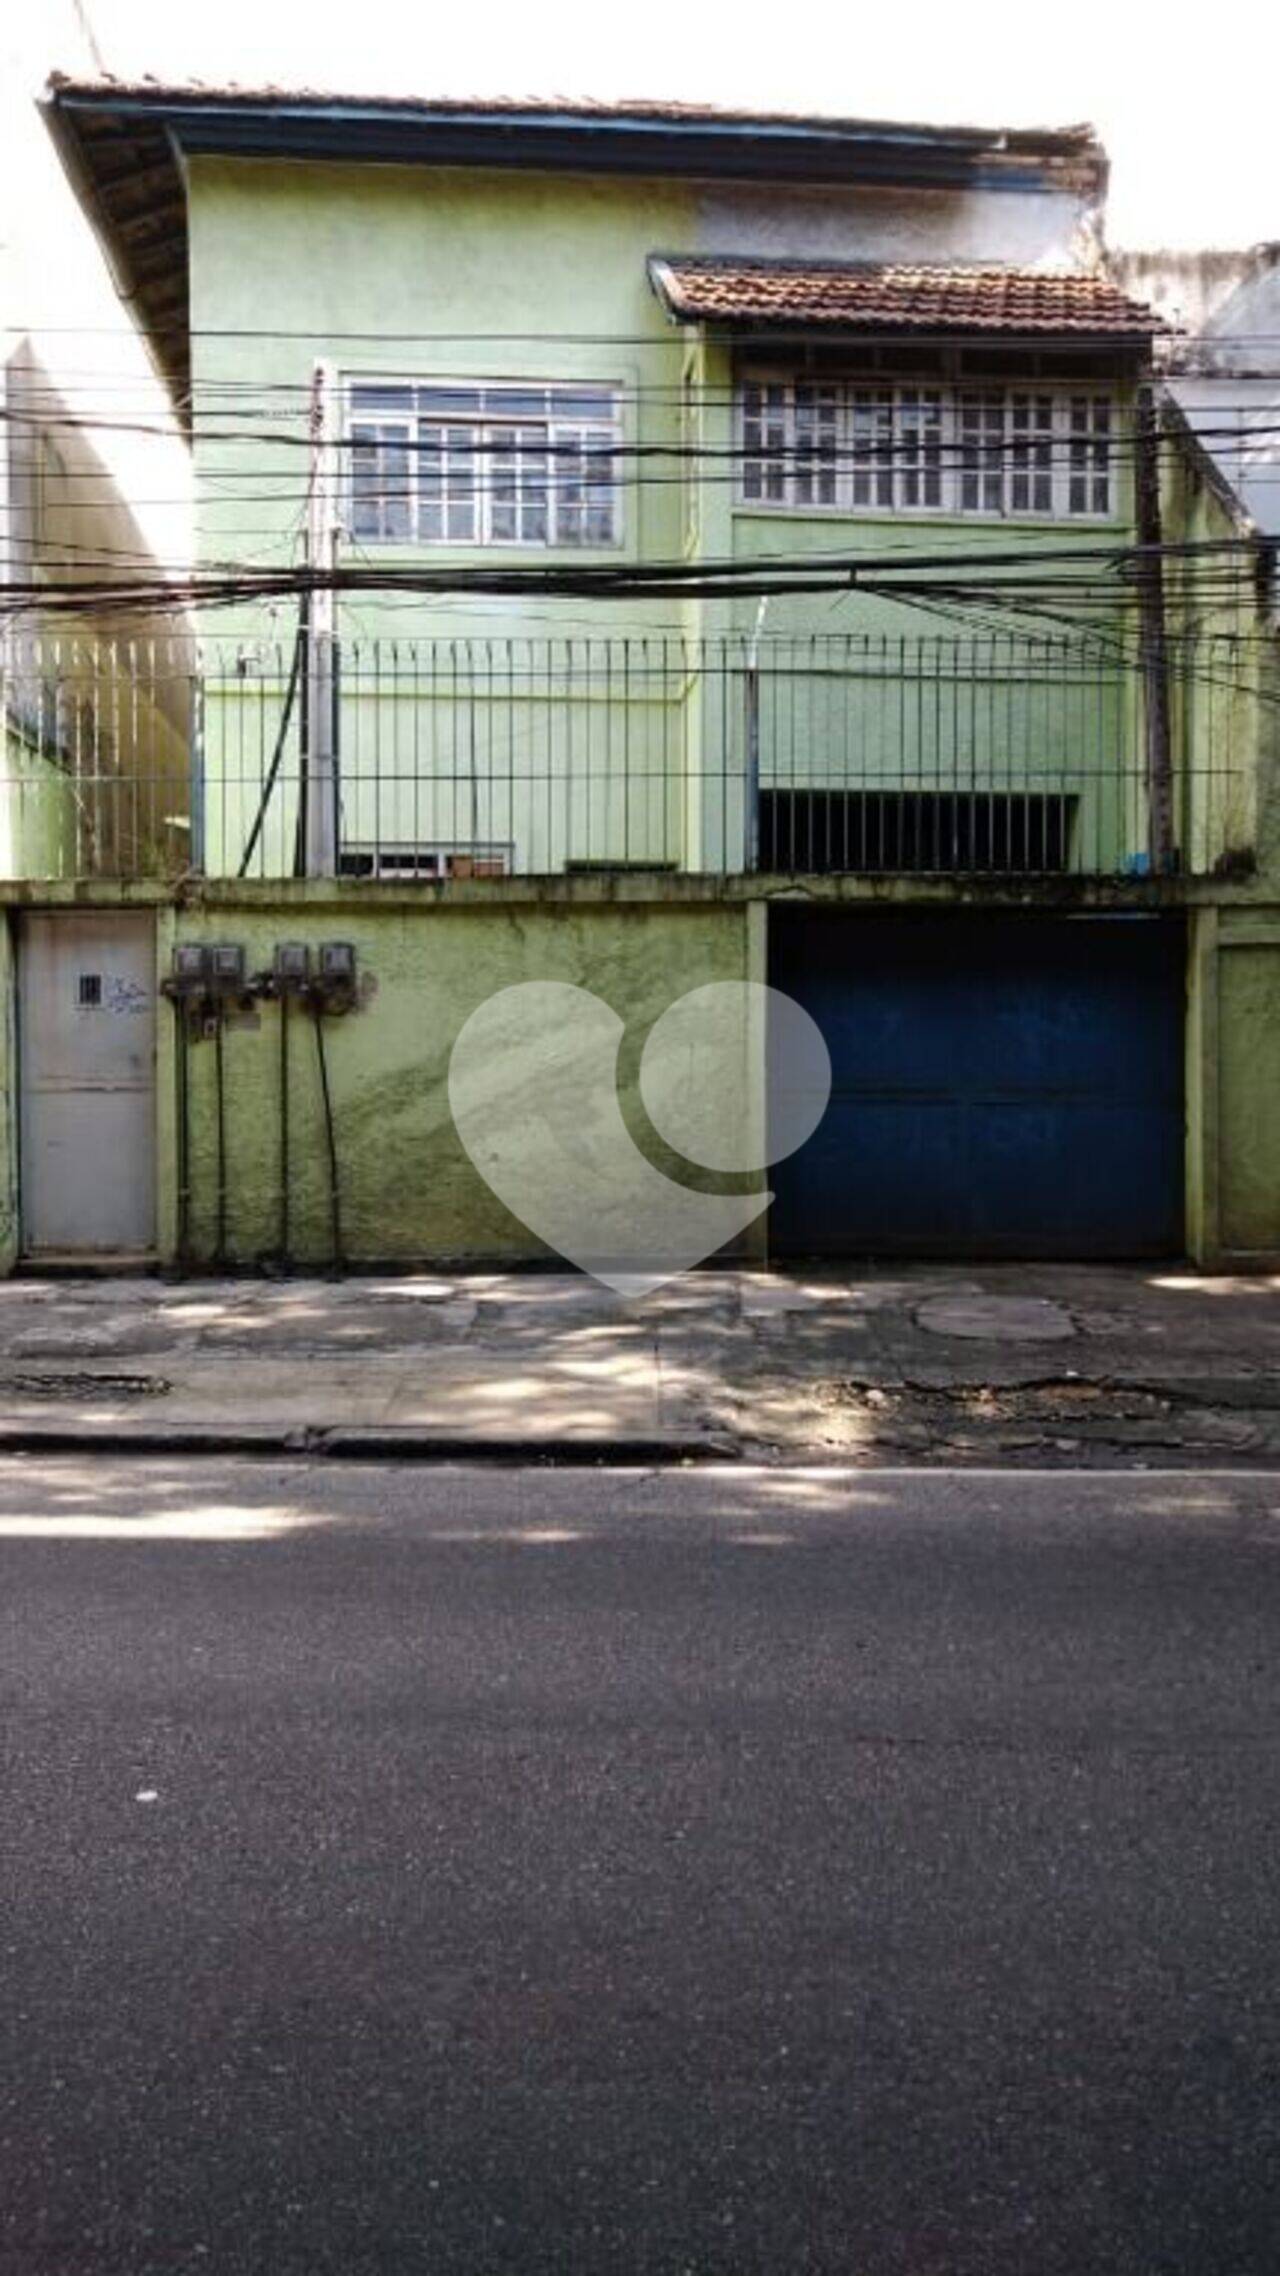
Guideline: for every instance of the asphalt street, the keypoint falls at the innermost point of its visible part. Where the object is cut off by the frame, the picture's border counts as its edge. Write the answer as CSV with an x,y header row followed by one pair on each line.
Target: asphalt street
x,y
700,1873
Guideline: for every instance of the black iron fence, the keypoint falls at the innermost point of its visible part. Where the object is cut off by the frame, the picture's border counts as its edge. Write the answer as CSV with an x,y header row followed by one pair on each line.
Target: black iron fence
x,y
941,756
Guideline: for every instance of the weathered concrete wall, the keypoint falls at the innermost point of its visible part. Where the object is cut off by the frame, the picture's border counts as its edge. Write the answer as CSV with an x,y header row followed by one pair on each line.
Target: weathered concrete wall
x,y
1224,368
1238,420
9,1226
792,221
1225,712
409,1192
1197,290
408,1189
37,810
1234,1089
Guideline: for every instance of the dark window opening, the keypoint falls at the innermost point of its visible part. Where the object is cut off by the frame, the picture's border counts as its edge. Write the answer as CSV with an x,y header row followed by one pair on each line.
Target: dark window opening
x,y
90,988
934,832
606,868
431,862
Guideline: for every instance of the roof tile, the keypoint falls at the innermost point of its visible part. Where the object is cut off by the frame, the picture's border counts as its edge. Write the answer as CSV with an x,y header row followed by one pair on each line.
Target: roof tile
x,y
859,296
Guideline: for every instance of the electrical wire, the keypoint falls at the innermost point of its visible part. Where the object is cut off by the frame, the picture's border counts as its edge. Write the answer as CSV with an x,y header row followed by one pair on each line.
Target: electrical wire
x,y
596,578
876,452
278,753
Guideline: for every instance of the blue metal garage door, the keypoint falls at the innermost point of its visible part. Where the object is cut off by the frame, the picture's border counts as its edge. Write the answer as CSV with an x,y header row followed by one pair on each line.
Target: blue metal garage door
x,y
1003,1086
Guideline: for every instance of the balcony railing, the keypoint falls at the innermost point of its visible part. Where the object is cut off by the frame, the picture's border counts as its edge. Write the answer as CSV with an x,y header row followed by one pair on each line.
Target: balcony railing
x,y
1006,756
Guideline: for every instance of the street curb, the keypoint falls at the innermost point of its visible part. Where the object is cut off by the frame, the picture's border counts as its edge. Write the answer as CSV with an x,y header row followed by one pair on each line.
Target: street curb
x,y
392,1443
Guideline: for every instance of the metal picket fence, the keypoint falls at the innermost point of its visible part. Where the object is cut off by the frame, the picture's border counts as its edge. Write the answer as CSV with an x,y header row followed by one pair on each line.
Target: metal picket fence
x,y
1008,755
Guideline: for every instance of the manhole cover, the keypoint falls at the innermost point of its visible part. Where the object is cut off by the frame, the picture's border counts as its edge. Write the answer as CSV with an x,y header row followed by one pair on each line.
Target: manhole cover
x,y
996,1319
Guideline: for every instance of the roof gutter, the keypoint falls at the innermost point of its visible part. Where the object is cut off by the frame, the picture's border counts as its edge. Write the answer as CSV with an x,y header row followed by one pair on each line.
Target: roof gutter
x,y
805,149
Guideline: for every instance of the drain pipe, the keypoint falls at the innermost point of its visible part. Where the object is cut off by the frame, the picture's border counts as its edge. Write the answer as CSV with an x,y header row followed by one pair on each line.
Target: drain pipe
x,y
182,1077
220,1242
751,819
284,1130
335,1197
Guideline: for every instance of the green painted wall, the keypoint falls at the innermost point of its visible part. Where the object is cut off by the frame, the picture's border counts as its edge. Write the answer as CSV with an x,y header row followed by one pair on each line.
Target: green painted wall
x,y
9,1228
409,1192
1235,1057
37,812
408,1189
106,791
408,272
411,272
1225,675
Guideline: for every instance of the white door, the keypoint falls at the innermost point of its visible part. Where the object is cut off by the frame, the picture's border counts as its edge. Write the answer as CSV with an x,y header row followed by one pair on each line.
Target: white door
x,y
87,1034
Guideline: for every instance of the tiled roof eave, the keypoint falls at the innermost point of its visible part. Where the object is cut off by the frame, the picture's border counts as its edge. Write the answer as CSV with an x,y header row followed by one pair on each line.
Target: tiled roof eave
x,y
898,328
865,299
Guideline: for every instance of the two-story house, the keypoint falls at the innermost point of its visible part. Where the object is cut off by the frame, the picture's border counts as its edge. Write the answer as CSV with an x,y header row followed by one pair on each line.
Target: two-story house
x,y
762,514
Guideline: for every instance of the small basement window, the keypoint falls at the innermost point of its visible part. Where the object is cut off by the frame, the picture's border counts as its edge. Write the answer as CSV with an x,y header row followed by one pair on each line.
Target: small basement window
x,y
937,833
425,861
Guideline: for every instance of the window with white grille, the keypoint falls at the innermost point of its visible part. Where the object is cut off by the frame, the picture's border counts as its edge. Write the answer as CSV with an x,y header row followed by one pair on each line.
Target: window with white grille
x,y
1089,488
1042,452
483,465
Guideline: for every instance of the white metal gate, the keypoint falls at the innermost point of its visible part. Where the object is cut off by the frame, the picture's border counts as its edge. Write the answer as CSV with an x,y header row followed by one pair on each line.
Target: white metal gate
x,y
86,1019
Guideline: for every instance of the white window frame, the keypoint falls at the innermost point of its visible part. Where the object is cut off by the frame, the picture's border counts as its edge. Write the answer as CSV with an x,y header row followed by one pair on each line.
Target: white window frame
x,y
401,427
1047,444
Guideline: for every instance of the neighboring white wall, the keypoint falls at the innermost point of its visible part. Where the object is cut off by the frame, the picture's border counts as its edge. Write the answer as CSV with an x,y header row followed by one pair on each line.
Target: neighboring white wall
x,y
1238,421
1223,363
1243,334
1189,289
1024,228
56,293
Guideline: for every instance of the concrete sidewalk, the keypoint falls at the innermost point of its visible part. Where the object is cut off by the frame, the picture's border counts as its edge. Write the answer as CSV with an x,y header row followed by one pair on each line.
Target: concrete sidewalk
x,y
1065,1365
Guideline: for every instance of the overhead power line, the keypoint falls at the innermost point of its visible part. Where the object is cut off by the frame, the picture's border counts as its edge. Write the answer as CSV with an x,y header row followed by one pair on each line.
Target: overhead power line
x,y
603,579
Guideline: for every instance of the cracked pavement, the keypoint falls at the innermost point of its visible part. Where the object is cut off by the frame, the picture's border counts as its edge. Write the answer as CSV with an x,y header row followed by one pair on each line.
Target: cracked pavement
x,y
1020,1364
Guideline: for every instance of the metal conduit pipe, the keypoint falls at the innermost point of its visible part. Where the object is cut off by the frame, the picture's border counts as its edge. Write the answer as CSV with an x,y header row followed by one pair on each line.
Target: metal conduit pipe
x,y
335,1197
182,1076
220,1239
284,1131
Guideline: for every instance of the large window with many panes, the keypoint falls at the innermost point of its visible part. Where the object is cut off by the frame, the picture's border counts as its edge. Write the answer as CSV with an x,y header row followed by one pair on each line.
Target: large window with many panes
x,y
1042,452
485,464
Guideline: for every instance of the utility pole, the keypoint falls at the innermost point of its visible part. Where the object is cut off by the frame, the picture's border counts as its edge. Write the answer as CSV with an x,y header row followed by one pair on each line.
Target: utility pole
x,y
1154,641
319,786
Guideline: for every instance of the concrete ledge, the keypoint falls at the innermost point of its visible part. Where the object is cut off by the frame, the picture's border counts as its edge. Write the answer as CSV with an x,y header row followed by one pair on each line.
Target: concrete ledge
x,y
664,889
390,1443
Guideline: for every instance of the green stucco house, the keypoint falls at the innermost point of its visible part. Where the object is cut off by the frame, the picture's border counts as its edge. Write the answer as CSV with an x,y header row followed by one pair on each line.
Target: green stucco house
x,y
652,544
